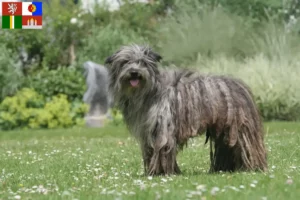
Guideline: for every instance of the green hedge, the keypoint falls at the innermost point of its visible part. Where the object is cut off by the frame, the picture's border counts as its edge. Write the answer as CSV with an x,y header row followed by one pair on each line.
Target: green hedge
x,y
69,81
28,109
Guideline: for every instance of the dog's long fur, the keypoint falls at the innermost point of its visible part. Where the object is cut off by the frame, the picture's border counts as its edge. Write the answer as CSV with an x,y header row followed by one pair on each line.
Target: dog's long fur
x,y
169,107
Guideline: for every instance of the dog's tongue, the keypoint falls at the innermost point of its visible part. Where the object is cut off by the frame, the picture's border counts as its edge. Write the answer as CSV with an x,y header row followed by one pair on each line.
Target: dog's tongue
x,y
134,83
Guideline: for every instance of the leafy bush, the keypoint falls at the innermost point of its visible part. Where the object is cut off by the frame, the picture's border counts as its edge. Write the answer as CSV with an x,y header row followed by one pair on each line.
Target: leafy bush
x,y
28,109
68,81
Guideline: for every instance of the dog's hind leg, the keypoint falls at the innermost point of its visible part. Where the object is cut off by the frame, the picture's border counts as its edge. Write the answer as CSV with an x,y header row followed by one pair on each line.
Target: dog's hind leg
x,y
223,157
211,153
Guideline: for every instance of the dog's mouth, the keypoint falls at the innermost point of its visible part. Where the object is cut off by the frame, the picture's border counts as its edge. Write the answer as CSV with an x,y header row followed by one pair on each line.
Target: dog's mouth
x,y
135,79
134,82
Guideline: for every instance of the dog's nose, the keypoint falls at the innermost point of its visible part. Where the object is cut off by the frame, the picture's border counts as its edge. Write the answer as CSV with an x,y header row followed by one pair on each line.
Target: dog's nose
x,y
134,74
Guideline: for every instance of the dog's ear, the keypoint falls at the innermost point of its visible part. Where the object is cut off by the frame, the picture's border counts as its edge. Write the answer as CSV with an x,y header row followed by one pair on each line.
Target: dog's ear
x,y
155,56
110,59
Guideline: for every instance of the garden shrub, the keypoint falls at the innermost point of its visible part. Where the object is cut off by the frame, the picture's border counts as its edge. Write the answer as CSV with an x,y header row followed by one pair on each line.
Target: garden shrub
x,y
28,109
69,81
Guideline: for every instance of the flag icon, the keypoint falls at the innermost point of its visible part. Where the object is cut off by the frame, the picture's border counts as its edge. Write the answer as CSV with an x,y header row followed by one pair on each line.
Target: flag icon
x,y
12,22
22,15
11,8
32,22
32,8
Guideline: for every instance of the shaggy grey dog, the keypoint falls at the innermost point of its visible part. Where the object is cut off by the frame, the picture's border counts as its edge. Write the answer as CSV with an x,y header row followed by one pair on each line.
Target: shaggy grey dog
x,y
163,109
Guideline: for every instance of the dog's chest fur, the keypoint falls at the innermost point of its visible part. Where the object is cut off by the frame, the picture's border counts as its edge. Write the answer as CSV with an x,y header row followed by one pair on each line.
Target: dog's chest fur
x,y
165,112
143,116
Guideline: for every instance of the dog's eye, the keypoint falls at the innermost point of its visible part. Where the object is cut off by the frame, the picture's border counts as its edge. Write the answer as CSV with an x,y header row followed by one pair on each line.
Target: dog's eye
x,y
143,63
124,63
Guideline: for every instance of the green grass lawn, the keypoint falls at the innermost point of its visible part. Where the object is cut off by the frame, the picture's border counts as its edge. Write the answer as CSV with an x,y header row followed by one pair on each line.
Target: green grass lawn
x,y
106,164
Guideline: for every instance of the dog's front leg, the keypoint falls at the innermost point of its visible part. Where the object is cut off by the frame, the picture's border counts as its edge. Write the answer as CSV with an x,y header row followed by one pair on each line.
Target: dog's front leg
x,y
147,152
163,162
169,162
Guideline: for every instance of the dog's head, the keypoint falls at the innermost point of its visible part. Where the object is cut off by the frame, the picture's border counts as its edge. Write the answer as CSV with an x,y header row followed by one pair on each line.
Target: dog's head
x,y
133,68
